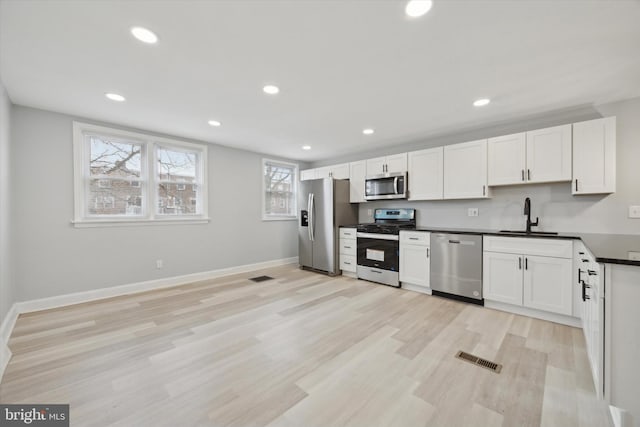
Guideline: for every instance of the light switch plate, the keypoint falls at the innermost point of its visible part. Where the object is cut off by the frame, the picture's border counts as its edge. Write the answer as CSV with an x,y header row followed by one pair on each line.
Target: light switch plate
x,y
634,211
472,212
634,256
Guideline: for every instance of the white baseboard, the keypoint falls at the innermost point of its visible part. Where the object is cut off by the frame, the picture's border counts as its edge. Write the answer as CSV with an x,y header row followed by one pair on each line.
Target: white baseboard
x,y
538,314
6,327
416,288
79,297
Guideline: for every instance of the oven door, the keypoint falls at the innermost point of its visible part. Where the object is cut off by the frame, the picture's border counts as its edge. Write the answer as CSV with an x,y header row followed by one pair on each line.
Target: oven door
x,y
386,186
379,251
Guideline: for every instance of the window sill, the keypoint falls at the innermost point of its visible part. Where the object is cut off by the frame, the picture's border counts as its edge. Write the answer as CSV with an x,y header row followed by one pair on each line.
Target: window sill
x,y
92,223
279,218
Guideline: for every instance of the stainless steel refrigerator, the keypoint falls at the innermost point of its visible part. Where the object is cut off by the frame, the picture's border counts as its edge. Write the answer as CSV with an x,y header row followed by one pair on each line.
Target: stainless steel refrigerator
x,y
324,207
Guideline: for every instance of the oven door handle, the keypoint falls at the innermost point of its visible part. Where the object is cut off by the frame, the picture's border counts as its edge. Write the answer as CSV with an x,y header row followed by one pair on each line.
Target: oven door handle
x,y
378,236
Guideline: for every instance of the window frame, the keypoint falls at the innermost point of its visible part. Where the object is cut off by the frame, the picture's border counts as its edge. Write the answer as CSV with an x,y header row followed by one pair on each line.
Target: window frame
x,y
148,181
270,217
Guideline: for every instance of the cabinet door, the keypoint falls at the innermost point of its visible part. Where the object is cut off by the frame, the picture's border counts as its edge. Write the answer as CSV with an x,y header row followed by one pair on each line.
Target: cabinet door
x,y
465,170
594,156
357,173
397,163
307,174
506,157
549,154
425,174
340,171
414,264
547,284
376,166
502,277
323,172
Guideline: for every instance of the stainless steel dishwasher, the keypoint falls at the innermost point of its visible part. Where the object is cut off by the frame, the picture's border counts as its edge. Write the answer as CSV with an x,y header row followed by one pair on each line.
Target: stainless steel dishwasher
x,y
456,266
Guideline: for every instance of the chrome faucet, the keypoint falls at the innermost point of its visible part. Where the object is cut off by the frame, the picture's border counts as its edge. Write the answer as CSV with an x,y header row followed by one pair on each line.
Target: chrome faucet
x,y
527,212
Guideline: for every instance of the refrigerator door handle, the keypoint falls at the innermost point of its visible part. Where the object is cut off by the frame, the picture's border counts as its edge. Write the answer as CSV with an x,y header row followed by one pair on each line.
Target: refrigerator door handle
x,y
309,216
312,217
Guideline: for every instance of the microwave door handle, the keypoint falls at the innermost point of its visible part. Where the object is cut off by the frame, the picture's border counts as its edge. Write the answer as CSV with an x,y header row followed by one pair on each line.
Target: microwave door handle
x,y
395,185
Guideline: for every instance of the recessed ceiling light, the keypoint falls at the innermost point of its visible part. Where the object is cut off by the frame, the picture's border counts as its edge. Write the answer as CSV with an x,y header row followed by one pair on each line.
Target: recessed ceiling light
x,y
368,131
481,102
271,89
115,97
416,8
214,123
144,35
306,147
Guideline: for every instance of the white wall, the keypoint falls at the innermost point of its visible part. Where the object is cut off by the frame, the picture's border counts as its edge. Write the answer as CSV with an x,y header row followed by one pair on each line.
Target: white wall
x,y
7,295
51,257
553,203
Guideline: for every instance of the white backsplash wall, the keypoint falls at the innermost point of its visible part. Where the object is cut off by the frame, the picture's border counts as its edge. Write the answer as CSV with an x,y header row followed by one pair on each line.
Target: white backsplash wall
x,y
553,203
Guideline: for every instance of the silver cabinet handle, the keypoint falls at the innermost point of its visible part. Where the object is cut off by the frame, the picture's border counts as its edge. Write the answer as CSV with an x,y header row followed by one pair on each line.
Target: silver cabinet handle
x,y
529,174
413,238
519,263
427,252
523,174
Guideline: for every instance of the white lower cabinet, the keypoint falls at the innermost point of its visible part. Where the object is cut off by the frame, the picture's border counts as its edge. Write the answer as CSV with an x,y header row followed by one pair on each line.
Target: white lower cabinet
x,y
502,279
348,250
525,277
547,284
415,260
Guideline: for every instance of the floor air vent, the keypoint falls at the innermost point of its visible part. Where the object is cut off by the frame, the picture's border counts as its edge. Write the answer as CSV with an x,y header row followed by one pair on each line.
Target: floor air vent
x,y
484,363
261,278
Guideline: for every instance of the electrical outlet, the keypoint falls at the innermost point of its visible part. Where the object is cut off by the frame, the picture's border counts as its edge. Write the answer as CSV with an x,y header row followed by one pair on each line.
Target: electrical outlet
x,y
370,212
634,211
472,212
634,256
159,264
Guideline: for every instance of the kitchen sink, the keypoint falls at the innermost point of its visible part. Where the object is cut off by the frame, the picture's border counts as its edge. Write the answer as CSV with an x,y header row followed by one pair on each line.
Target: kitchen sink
x,y
532,233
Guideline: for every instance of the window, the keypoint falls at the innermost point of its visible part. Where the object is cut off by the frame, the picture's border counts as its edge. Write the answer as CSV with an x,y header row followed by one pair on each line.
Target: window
x,y
126,177
279,190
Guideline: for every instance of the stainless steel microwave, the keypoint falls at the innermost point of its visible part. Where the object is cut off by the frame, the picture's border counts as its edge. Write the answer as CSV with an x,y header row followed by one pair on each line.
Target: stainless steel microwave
x,y
386,186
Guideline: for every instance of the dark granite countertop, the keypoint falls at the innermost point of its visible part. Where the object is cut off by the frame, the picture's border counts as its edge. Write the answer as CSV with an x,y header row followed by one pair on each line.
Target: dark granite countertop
x,y
607,248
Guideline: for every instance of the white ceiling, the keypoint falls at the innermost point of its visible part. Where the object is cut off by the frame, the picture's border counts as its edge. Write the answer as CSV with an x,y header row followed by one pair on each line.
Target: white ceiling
x,y
341,66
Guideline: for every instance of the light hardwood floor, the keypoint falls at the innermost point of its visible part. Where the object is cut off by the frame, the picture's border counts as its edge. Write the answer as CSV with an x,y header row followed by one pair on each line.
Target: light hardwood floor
x,y
302,350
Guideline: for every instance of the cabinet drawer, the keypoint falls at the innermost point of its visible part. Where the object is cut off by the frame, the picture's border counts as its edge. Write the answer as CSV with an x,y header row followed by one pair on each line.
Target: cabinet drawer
x,y
421,238
348,247
348,263
348,233
529,246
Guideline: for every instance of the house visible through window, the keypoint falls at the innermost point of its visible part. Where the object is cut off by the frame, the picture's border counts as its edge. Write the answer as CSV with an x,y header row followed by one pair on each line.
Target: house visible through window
x,y
113,180
279,189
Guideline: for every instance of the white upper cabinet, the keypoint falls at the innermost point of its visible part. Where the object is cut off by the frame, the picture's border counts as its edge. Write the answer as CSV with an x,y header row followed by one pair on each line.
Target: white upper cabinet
x,y
549,154
397,163
425,174
387,164
340,171
594,156
465,170
307,174
542,155
507,159
334,171
357,174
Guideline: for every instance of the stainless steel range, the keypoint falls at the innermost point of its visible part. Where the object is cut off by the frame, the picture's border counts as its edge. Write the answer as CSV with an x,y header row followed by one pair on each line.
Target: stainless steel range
x,y
379,245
